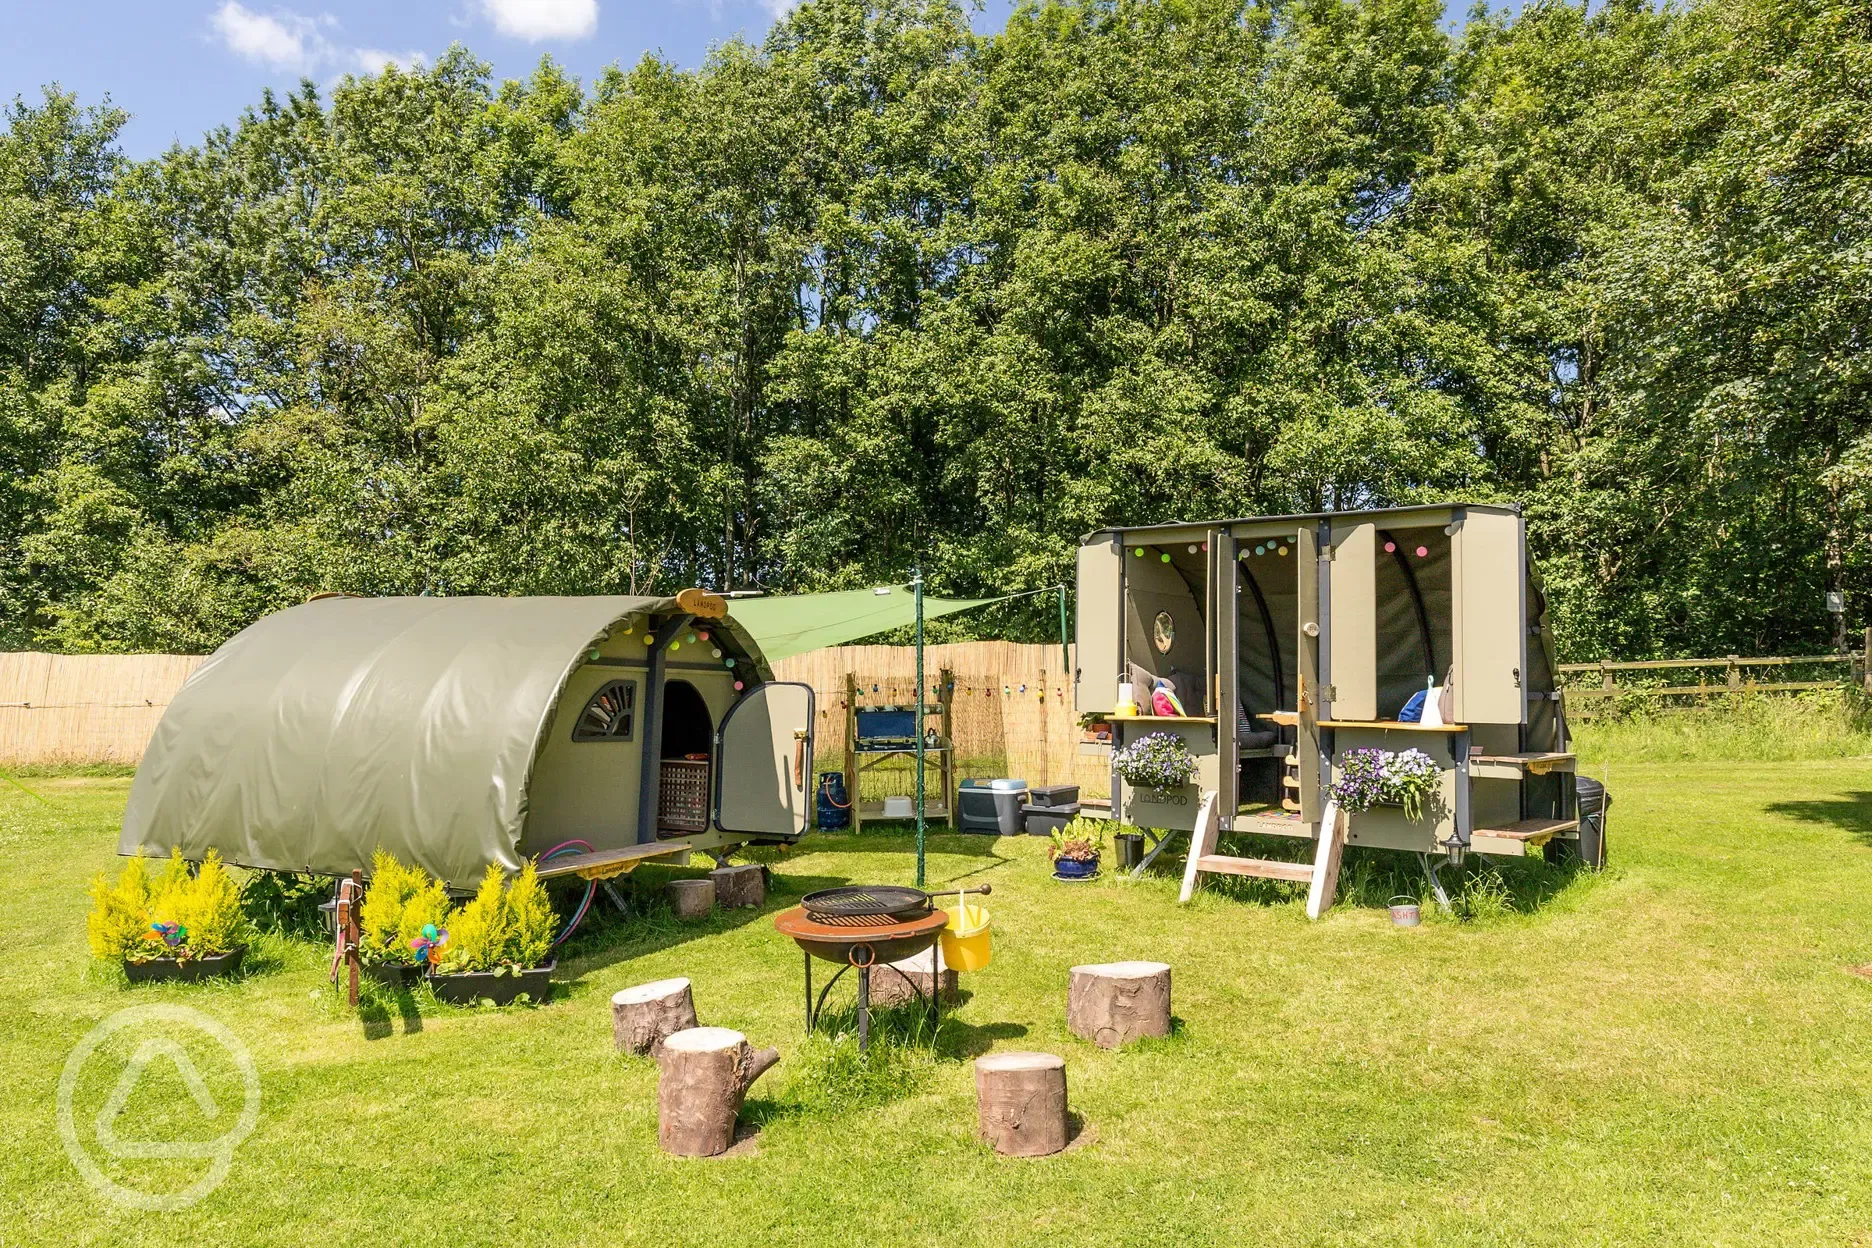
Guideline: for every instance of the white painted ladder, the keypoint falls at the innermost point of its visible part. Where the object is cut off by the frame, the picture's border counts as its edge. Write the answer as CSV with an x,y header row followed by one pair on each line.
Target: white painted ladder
x,y
1322,878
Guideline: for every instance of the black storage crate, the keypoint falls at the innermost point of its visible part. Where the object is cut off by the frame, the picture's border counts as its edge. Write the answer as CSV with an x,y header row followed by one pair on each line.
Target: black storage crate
x,y
1046,820
1054,795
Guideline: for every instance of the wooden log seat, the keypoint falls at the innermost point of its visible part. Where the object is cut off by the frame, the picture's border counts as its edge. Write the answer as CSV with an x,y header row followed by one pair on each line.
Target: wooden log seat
x,y
644,1016
1114,1003
1021,1102
691,899
704,1075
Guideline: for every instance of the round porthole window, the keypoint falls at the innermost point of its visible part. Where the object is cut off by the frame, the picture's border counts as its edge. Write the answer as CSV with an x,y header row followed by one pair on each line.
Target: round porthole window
x,y
1163,632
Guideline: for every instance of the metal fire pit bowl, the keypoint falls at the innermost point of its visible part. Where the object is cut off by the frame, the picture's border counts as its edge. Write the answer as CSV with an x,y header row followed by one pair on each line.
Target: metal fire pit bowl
x,y
883,941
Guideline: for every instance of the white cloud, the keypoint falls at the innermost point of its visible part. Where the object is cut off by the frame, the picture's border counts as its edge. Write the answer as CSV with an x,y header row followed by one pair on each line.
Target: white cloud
x,y
373,60
779,8
536,20
281,40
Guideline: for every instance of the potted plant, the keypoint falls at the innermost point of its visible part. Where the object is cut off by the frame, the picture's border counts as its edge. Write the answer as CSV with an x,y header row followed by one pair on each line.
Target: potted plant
x,y
498,946
1075,849
179,925
1372,777
401,921
1156,760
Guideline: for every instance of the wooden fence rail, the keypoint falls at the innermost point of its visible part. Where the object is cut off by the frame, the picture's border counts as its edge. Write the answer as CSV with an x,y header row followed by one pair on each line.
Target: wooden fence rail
x,y
1586,699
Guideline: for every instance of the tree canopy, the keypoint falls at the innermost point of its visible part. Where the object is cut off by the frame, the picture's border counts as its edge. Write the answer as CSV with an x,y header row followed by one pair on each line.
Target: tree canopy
x,y
882,291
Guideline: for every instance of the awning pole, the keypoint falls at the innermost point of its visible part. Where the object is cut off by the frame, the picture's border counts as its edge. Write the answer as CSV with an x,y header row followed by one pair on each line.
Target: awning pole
x,y
1065,651
917,587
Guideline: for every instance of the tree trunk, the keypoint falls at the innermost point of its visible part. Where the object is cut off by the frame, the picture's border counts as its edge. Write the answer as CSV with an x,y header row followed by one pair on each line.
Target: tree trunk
x,y
691,899
704,1078
644,1016
1114,1003
735,887
1021,1100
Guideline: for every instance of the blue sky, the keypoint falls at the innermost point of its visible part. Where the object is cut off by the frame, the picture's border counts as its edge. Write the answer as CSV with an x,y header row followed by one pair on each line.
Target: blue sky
x,y
181,67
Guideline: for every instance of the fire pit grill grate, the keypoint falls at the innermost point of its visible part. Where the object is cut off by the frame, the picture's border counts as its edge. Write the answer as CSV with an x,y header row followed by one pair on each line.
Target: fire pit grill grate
x,y
865,905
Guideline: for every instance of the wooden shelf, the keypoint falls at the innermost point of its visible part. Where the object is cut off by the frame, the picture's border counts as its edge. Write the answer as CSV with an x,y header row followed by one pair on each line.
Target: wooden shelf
x,y
607,862
1511,766
1286,719
1535,830
1391,725
1162,719
1514,838
931,809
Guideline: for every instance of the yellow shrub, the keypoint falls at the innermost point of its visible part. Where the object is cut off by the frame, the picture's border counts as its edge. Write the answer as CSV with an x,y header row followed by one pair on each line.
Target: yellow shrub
x,y
380,918
501,927
478,932
533,919
119,918
206,907
211,909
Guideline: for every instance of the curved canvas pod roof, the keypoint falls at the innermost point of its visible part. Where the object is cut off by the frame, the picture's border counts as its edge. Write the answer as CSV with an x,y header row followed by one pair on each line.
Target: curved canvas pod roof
x,y
324,731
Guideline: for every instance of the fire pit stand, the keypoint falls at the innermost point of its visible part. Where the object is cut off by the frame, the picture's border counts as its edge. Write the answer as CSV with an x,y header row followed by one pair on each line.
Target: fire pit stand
x,y
861,927
861,948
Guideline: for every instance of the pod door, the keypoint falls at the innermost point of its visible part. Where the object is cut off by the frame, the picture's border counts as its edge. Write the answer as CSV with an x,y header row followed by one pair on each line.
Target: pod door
x,y
763,756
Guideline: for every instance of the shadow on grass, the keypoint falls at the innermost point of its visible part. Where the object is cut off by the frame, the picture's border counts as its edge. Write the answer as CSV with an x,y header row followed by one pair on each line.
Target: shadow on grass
x,y
1851,813
898,836
377,1003
608,936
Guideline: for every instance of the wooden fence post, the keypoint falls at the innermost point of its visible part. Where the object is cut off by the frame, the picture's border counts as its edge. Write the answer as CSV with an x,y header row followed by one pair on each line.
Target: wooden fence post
x,y
1735,674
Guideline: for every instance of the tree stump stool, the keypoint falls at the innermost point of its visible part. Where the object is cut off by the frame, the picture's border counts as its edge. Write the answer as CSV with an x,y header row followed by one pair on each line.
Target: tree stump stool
x,y
644,1016
691,899
704,1076
1021,1099
1114,1003
908,981
739,886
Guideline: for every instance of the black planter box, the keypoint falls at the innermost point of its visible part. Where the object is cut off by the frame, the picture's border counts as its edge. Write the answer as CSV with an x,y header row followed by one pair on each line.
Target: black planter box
x,y
156,970
400,975
468,987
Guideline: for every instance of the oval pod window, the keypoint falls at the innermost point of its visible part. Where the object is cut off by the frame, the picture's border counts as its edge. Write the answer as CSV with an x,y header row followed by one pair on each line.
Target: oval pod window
x,y
1163,632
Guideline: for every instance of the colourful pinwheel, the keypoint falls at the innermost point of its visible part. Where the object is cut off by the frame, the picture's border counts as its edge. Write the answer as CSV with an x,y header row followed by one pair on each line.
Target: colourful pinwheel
x,y
428,946
171,934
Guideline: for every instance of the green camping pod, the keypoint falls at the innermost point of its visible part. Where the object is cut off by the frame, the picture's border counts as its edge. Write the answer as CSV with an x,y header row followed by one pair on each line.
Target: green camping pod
x,y
459,732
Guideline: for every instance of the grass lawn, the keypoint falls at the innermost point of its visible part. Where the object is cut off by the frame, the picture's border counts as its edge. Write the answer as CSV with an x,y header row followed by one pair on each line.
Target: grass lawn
x,y
1673,1052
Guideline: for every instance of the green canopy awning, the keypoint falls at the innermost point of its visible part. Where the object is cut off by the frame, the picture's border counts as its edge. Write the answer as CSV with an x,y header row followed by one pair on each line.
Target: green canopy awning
x,y
793,624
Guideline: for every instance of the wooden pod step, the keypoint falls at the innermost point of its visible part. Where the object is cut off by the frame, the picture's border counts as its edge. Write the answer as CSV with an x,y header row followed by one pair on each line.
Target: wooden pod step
x,y
1265,868
1513,766
1514,838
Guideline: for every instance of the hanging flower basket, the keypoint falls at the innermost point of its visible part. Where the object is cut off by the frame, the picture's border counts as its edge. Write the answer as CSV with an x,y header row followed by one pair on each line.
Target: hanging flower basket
x,y
1156,760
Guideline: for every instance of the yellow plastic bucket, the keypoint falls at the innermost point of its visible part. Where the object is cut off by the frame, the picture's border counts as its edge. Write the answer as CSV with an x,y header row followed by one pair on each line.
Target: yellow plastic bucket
x,y
965,939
